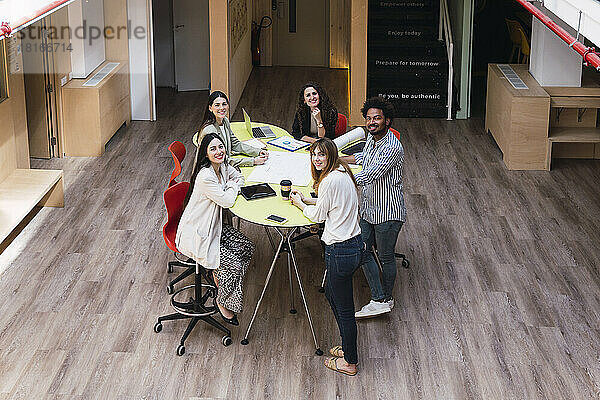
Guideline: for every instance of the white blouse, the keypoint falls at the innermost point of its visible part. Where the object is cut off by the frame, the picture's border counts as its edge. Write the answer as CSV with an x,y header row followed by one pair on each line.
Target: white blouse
x,y
337,205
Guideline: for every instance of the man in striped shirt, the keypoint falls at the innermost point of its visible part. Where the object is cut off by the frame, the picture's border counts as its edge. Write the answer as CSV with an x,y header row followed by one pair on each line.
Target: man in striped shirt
x,y
382,210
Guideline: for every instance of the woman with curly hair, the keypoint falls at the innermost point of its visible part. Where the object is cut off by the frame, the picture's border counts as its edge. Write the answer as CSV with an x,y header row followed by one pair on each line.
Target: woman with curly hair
x,y
316,116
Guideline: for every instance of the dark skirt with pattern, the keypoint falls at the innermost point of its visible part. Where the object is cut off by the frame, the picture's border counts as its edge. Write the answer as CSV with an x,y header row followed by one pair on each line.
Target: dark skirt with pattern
x,y
236,253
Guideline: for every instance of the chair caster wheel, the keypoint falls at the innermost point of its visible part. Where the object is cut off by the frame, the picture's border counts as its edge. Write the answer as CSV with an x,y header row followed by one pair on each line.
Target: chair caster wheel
x,y
244,342
321,290
319,352
293,311
180,350
405,263
169,269
157,327
226,340
169,289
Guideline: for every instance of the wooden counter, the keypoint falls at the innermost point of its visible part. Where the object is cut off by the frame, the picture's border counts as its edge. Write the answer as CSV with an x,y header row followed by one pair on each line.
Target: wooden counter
x,y
532,126
518,119
23,190
94,113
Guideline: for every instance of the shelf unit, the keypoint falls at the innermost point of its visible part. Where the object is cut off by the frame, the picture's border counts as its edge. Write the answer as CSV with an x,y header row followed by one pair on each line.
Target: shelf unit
x,y
574,131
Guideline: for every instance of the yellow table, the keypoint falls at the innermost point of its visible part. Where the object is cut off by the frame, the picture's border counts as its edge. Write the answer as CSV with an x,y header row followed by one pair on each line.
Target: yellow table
x,y
256,211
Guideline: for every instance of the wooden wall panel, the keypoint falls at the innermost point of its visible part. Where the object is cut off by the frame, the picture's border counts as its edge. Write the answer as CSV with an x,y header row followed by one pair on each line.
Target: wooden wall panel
x,y
62,68
259,9
14,150
219,45
339,33
115,16
19,114
358,60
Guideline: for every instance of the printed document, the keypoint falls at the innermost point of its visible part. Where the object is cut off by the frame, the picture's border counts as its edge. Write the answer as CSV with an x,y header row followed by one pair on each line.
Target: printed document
x,y
282,165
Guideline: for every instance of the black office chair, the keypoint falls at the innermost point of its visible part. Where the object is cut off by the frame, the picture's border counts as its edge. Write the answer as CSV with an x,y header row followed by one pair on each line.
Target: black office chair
x,y
203,305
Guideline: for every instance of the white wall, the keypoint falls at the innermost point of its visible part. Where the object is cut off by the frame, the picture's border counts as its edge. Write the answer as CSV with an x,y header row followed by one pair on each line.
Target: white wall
x,y
461,20
552,61
568,11
141,60
86,18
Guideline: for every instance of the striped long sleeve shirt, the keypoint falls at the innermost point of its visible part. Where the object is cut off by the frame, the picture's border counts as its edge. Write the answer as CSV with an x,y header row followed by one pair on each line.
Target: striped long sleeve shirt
x,y
381,180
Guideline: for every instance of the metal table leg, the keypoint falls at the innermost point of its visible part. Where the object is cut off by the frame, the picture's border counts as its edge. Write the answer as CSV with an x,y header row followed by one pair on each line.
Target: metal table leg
x,y
318,351
285,245
245,339
292,307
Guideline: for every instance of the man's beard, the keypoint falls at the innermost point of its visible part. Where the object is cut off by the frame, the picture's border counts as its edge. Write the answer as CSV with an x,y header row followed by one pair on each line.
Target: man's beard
x,y
383,129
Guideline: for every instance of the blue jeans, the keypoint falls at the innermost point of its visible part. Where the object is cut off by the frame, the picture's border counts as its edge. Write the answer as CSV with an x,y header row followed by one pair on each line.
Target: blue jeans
x,y
341,260
385,236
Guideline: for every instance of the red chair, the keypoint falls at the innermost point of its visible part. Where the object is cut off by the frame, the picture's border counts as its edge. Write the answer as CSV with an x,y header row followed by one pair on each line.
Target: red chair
x,y
196,308
341,125
395,132
177,149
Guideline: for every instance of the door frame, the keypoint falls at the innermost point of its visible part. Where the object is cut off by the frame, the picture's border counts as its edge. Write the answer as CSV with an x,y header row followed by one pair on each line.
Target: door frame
x,y
50,79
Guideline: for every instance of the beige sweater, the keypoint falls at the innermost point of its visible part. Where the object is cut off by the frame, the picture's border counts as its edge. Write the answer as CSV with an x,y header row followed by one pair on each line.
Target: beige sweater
x,y
199,231
232,144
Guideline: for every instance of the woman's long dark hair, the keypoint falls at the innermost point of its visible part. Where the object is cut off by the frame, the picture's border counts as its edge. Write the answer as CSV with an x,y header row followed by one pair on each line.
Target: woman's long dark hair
x,y
201,161
328,147
328,110
209,118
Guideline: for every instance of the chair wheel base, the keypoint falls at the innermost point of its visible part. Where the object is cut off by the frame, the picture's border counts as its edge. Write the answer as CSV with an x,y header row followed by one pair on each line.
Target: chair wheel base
x,y
293,311
319,352
244,342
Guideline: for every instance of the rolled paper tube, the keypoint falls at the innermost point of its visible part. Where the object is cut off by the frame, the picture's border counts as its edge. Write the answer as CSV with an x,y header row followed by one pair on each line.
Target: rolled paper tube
x,y
349,137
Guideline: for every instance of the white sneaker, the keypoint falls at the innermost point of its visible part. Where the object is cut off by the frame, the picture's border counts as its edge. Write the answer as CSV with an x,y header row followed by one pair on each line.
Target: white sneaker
x,y
390,303
372,309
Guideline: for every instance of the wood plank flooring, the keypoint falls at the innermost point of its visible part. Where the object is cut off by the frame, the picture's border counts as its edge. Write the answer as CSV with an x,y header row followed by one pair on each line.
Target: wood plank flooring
x,y
502,300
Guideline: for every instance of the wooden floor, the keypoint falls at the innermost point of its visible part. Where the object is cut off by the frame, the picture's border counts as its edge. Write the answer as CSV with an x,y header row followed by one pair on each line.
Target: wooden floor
x,y
502,300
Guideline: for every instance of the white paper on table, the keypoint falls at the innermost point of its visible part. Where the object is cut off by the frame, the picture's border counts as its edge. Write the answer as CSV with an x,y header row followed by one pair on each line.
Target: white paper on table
x,y
349,137
283,165
256,143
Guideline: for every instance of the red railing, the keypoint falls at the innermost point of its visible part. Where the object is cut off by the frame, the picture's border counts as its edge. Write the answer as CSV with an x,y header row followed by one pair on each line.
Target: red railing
x,y
590,57
7,27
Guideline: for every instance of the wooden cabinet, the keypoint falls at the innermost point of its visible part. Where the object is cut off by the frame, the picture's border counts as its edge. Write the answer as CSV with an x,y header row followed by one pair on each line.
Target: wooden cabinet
x,y
92,114
574,132
518,118
531,126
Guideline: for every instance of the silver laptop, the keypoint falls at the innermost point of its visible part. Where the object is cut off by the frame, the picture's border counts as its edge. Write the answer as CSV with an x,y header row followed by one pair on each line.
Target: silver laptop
x,y
258,131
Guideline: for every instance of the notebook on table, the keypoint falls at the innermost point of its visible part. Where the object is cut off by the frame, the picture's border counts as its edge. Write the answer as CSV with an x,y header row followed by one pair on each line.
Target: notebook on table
x,y
355,148
257,131
258,191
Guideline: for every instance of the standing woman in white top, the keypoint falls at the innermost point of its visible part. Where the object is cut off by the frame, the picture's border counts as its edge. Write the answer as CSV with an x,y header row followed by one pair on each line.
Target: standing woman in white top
x,y
337,205
201,234
215,121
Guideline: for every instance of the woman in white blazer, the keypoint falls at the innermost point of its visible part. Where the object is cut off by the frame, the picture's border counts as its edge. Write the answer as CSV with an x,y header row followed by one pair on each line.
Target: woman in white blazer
x,y
215,121
201,234
337,205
